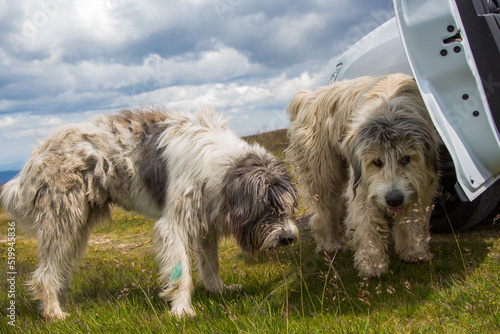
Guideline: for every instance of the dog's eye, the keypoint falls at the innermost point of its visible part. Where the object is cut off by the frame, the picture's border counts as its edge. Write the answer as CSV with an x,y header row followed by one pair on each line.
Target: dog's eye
x,y
378,163
405,161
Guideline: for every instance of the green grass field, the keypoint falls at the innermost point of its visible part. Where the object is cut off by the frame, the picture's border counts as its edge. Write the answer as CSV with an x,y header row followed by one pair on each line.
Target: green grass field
x,y
293,289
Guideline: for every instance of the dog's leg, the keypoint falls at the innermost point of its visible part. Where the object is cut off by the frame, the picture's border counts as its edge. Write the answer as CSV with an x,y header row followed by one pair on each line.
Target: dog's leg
x,y
326,226
96,215
62,238
47,283
411,234
171,242
327,223
208,266
368,231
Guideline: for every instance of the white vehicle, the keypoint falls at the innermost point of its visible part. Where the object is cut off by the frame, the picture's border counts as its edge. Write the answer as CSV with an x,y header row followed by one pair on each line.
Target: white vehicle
x,y
452,49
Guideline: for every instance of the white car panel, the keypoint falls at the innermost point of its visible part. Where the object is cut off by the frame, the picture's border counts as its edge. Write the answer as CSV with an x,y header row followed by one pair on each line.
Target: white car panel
x,y
446,73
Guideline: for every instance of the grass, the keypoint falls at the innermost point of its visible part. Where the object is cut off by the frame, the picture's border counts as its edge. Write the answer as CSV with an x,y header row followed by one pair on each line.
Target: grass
x,y
293,289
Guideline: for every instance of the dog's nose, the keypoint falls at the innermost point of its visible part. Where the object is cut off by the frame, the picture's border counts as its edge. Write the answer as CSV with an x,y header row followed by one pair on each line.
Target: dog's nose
x,y
394,198
286,240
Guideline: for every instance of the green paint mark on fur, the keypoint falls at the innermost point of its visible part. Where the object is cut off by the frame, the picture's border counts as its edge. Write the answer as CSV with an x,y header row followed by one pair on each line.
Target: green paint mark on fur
x,y
177,272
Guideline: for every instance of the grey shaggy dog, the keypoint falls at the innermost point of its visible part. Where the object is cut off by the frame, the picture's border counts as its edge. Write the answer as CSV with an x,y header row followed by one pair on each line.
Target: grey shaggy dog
x,y
367,152
198,178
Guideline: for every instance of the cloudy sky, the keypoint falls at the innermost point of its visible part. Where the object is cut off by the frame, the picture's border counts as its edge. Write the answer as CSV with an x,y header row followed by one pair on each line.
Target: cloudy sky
x,y
64,61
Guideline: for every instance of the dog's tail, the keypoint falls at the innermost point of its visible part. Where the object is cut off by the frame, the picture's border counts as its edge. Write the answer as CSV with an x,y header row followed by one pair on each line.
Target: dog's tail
x,y
18,202
10,196
297,103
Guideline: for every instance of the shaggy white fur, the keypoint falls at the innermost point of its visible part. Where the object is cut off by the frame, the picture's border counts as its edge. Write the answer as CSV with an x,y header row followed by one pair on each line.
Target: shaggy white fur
x,y
367,153
190,171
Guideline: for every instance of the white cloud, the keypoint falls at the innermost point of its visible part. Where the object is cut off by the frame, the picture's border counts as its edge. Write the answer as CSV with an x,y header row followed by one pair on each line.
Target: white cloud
x,y
28,126
216,65
65,60
7,122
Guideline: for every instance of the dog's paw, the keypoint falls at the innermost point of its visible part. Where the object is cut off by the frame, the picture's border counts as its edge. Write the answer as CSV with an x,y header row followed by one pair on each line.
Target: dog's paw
x,y
372,264
183,311
55,314
372,270
417,257
331,246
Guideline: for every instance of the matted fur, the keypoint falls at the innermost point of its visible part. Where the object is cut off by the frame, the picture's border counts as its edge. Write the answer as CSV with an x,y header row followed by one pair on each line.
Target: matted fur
x,y
190,171
366,152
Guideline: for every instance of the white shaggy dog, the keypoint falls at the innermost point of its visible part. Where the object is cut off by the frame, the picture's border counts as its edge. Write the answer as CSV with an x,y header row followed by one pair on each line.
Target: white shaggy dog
x,y
366,152
190,171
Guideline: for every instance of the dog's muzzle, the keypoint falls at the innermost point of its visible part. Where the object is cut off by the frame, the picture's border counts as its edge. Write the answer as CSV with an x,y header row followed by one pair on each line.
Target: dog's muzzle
x,y
286,239
394,200
283,236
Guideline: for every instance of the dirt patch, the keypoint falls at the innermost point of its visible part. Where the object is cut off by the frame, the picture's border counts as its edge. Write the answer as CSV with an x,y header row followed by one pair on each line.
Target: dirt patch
x,y
106,242
5,239
99,240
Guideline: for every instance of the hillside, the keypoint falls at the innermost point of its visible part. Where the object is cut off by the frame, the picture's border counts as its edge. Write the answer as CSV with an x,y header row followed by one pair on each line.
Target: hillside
x,y
275,141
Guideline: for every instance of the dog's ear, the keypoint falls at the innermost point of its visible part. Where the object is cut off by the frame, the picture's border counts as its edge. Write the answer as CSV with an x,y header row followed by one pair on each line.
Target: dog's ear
x,y
242,194
426,140
348,147
356,170
432,150
243,191
432,158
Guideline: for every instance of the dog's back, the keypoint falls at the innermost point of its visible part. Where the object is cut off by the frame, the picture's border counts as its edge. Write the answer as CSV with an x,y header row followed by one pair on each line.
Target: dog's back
x,y
105,155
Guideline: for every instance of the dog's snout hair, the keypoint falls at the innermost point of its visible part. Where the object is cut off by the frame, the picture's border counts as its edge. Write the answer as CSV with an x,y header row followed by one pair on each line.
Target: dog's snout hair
x,y
283,234
394,198
288,237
